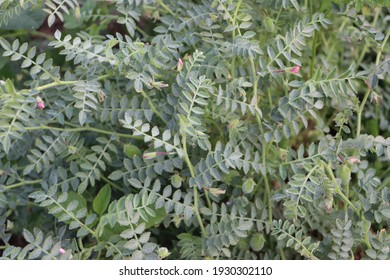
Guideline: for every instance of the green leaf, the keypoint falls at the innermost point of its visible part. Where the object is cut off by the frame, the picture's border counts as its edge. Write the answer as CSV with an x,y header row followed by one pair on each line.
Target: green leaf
x,y
116,175
386,212
72,196
32,19
102,200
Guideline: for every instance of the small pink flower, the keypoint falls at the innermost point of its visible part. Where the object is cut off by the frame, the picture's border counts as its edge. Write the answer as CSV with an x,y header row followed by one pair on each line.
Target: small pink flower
x,y
40,103
180,65
62,251
295,69
353,160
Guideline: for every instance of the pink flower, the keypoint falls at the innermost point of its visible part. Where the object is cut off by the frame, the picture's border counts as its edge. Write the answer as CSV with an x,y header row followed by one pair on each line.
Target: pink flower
x,y
62,251
353,160
40,103
180,65
295,69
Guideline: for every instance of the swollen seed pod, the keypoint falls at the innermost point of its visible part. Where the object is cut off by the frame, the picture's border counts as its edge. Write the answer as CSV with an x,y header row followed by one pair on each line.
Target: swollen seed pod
x,y
248,186
345,174
176,180
257,242
269,24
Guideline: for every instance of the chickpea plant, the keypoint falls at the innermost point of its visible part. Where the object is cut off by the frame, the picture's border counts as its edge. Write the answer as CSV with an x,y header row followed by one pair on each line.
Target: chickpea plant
x,y
208,129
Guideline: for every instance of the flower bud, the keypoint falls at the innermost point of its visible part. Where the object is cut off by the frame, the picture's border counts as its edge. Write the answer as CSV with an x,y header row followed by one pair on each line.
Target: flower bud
x,y
216,191
149,155
295,69
353,160
180,65
163,252
40,103
62,251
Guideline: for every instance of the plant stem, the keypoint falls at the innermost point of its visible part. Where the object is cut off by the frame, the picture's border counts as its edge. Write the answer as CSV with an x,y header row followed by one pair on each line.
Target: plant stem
x,y
313,54
360,112
338,190
233,20
255,81
165,7
56,83
108,181
22,183
365,48
264,145
368,91
195,188
154,109
365,237
81,129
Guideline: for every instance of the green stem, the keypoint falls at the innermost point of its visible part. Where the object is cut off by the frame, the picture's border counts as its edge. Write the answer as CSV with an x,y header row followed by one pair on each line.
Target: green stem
x,y
108,181
382,46
234,35
346,194
360,112
313,54
154,109
368,91
338,190
366,238
195,188
21,184
56,83
264,146
165,7
365,48
81,129
206,192
281,253
255,81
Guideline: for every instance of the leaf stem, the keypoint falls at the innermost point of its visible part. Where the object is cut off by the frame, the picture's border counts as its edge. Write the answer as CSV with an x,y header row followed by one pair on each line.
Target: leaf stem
x,y
195,188
81,129
108,181
22,183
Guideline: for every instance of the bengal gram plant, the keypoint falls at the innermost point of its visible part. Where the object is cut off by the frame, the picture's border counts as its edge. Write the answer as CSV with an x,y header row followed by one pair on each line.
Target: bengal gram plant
x,y
208,129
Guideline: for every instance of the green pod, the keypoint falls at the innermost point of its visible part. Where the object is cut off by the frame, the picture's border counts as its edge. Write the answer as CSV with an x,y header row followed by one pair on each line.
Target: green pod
x,y
345,174
269,24
248,186
257,242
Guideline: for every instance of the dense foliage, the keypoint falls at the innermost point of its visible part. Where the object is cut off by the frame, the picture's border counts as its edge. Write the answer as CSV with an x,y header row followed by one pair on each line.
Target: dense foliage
x,y
218,129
